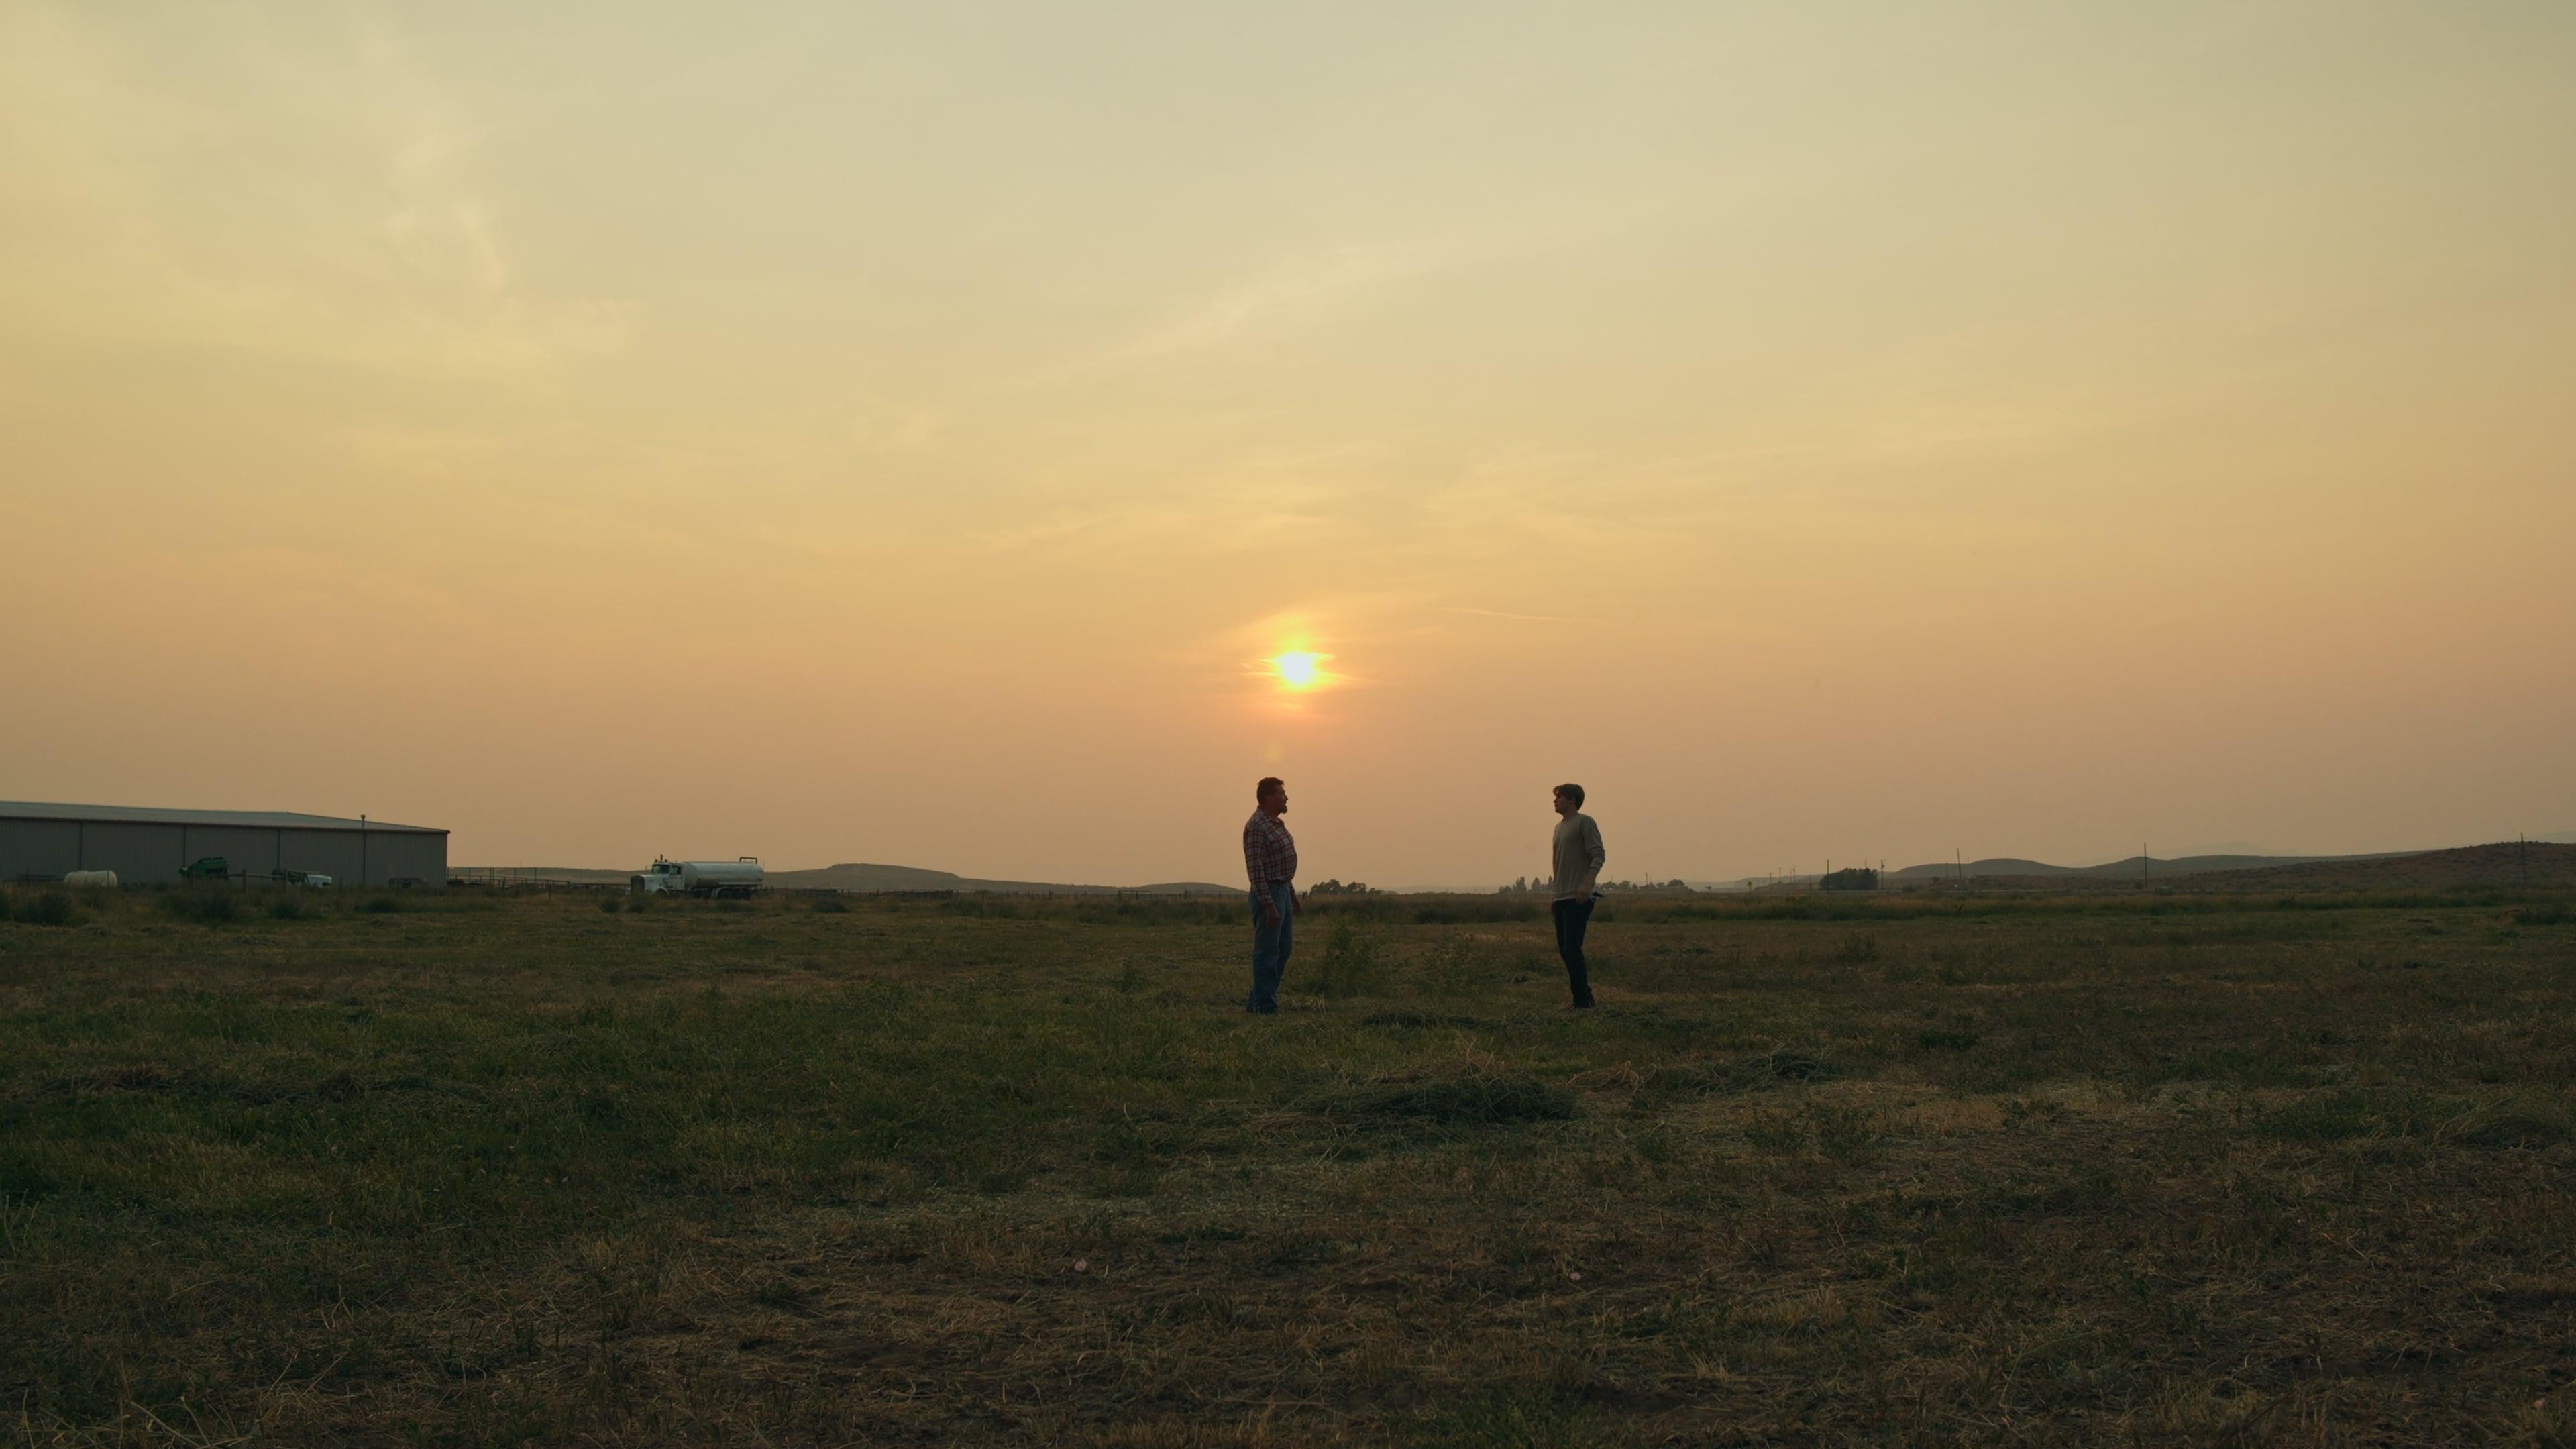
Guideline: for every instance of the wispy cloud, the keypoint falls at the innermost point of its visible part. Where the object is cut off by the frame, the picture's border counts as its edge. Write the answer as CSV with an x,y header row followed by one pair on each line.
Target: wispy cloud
x,y
1289,292
1517,618
383,249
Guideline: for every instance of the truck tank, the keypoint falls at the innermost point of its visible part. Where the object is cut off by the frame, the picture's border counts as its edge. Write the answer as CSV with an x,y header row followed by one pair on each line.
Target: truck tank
x,y
720,877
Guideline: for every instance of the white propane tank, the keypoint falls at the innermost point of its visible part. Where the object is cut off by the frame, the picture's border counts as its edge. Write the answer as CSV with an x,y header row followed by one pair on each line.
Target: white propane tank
x,y
90,878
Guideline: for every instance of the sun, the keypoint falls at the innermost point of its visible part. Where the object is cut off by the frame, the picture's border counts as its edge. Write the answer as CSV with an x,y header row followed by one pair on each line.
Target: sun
x,y
1300,668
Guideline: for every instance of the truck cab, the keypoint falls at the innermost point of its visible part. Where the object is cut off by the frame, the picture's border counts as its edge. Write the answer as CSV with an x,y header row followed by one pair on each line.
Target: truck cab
x,y
664,877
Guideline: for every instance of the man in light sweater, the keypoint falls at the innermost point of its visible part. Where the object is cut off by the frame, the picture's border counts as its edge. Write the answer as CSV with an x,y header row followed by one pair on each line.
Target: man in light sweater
x,y
1579,857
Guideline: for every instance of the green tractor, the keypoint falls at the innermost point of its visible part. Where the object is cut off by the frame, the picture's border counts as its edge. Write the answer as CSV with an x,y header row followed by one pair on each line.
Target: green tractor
x,y
210,867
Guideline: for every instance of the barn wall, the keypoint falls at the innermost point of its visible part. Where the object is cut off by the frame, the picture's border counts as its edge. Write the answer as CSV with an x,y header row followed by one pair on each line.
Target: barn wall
x,y
40,848
326,852
138,852
246,849
144,852
420,857
381,857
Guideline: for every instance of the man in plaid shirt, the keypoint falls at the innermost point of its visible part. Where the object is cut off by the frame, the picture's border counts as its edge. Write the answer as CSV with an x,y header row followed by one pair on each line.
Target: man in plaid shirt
x,y
1270,859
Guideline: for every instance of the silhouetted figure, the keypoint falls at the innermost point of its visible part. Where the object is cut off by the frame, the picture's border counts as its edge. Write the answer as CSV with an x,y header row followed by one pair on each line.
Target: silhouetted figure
x,y
1270,859
1579,858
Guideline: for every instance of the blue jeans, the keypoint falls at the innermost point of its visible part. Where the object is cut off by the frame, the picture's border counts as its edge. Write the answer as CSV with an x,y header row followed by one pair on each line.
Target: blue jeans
x,y
1271,945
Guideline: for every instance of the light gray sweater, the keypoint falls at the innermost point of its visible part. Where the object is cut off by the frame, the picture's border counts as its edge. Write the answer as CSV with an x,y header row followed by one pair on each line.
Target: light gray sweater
x,y
1578,856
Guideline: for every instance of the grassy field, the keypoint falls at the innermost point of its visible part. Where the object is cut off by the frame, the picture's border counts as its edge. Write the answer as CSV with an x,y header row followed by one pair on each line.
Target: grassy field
x,y
468,1169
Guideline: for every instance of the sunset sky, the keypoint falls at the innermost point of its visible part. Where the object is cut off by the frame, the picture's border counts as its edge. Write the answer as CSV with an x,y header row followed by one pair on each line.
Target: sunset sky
x,y
1843,431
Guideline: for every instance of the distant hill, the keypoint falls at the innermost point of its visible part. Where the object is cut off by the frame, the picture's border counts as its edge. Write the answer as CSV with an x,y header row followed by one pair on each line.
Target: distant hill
x,y
858,877
2155,867
2503,863
862,877
1994,865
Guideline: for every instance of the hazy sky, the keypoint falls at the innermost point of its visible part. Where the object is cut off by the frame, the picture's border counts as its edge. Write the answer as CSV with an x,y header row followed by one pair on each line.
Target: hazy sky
x,y
1824,430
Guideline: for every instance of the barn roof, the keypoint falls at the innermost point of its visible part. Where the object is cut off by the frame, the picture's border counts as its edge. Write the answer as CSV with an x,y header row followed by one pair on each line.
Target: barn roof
x,y
252,819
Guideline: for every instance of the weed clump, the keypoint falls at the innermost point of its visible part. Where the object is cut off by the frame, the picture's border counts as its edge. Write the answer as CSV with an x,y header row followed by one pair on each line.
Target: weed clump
x,y
1425,1021
210,904
1789,1064
1453,969
45,908
1753,1073
1351,964
286,905
1464,1099
381,906
2510,1125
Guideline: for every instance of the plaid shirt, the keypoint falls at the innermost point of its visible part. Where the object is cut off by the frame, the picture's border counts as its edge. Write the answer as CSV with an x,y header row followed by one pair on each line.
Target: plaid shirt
x,y
1269,853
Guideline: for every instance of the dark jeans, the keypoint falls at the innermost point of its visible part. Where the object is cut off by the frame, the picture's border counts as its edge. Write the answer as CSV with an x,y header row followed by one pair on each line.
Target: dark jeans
x,y
1571,918
1270,947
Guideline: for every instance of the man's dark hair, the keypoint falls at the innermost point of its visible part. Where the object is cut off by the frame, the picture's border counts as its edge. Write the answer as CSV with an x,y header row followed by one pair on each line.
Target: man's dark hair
x,y
1573,793
1268,784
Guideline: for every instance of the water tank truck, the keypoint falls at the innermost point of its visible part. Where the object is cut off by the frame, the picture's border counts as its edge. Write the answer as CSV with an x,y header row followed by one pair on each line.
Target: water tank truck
x,y
719,878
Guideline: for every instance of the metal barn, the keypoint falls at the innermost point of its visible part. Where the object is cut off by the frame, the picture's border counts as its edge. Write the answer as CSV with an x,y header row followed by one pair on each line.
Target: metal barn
x,y
47,842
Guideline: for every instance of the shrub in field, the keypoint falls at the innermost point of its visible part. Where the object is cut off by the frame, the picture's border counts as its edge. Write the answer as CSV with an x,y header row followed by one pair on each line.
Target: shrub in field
x,y
830,906
287,905
1454,967
1351,964
1753,1073
44,908
381,906
2529,1124
1472,1098
1454,910
2325,1117
608,904
1428,1021
1787,1065
209,903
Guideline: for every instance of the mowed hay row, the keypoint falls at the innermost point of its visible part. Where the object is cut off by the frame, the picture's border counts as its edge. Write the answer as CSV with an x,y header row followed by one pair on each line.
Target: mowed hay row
x,y
490,1168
